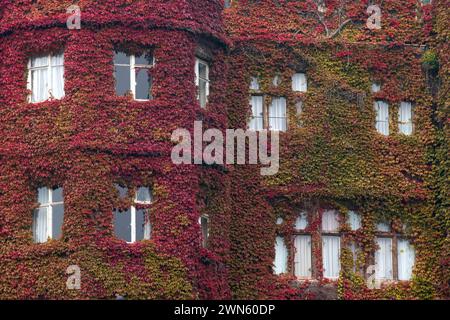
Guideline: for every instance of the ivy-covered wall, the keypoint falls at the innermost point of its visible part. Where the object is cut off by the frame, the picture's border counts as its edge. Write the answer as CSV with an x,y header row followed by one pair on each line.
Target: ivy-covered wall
x,y
331,156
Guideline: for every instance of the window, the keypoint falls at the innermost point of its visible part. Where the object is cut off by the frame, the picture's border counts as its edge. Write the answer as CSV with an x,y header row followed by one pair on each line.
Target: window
x,y
281,256
382,117
254,84
48,218
354,220
204,225
302,259
46,77
277,114
257,120
132,74
406,259
405,122
202,81
383,259
134,224
376,87
299,82
331,245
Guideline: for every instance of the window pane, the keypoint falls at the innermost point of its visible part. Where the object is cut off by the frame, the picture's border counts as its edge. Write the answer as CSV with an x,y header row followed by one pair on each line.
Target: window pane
x,y
58,218
203,93
43,196
146,59
354,220
277,115
302,221
382,117
121,58
203,70
254,84
383,227
143,84
39,85
257,122
122,225
331,250
281,256
57,82
143,195
406,260
405,118
299,82
330,221
57,60
57,195
41,61
143,227
121,190
383,259
123,79
205,230
40,225
302,259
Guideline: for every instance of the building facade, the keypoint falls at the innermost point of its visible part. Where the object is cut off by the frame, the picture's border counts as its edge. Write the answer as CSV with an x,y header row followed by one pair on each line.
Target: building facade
x,y
92,205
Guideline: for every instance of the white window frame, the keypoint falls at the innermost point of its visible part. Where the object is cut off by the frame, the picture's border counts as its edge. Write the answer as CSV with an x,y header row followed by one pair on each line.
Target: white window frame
x,y
133,217
49,205
49,67
133,67
199,61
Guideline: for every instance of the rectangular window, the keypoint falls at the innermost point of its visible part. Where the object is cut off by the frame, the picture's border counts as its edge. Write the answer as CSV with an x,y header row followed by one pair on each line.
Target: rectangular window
x,y
405,115
331,251
354,220
48,218
406,259
281,256
330,221
254,84
277,115
302,258
133,75
202,81
382,117
46,77
134,224
383,259
299,82
257,120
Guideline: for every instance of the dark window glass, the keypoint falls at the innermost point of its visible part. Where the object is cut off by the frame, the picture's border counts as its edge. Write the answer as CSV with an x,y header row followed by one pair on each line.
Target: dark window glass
x,y
123,80
58,218
57,195
122,225
143,84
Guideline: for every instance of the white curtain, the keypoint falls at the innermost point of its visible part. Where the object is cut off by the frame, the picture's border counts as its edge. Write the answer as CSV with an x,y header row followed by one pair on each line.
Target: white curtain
x,y
302,221
40,225
256,122
254,84
405,118
383,259
382,120
57,69
330,222
302,259
299,82
331,250
406,259
277,115
281,256
354,220
354,248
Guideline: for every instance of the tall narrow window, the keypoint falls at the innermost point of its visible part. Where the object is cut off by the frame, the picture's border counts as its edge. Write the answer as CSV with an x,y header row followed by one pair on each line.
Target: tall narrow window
x,y
277,114
281,256
132,74
331,245
257,119
204,225
383,259
299,82
48,218
405,115
302,258
406,259
134,224
202,81
46,77
382,117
